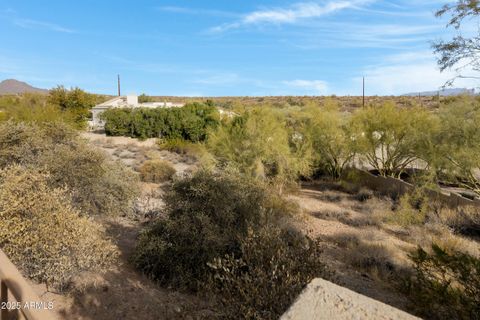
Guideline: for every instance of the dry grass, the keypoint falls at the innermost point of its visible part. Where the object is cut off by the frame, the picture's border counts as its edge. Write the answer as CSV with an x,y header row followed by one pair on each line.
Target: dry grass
x,y
463,220
440,234
368,238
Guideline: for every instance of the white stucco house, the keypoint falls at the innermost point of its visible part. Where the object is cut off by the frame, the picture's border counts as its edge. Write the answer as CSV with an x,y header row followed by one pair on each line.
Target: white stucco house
x,y
129,101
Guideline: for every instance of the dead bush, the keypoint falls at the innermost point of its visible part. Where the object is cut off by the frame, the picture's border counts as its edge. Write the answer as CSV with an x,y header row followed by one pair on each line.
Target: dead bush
x,y
156,171
43,233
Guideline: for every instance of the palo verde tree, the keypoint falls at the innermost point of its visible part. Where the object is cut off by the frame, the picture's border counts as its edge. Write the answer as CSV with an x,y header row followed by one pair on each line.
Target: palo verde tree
x,y
456,157
258,144
392,138
331,138
461,53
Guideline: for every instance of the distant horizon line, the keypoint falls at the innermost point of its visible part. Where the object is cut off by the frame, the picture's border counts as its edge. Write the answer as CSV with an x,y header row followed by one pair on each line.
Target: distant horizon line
x,y
461,90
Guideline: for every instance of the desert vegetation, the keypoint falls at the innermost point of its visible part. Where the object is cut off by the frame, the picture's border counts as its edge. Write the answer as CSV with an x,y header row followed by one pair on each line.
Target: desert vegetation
x,y
230,235
71,107
188,123
241,212
275,149
228,207
52,183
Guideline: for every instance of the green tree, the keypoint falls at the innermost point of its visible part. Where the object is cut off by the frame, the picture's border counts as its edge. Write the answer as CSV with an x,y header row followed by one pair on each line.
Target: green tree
x,y
392,138
331,138
457,152
74,101
258,144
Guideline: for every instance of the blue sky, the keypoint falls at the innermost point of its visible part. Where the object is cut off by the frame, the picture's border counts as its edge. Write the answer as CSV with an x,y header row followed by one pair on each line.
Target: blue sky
x,y
224,48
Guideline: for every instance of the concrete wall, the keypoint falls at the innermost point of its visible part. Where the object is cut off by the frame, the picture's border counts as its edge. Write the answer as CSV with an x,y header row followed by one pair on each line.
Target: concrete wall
x,y
323,300
396,187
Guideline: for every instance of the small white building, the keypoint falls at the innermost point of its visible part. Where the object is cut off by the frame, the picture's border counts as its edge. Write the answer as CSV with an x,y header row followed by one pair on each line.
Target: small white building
x,y
129,101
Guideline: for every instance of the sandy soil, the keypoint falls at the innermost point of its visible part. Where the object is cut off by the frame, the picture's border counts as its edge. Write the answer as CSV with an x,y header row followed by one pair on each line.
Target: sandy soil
x,y
133,152
336,217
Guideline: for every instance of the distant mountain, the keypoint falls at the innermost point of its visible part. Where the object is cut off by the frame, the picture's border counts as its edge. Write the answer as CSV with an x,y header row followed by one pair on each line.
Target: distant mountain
x,y
12,86
443,92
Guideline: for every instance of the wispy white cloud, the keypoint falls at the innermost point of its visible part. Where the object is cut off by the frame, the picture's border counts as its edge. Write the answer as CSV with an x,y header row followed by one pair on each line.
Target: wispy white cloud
x,y
292,14
35,24
361,35
317,87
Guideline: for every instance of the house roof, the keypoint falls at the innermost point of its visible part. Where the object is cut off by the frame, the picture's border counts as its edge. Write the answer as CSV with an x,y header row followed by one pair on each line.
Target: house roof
x,y
113,101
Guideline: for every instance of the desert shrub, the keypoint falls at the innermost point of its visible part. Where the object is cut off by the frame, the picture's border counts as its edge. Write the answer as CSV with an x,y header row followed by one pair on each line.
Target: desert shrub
x,y
98,186
208,214
413,209
368,256
190,122
179,146
446,285
156,171
23,142
273,267
43,233
196,151
19,143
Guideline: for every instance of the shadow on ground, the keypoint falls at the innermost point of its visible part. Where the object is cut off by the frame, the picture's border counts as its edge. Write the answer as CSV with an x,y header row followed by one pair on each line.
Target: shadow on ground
x,y
123,293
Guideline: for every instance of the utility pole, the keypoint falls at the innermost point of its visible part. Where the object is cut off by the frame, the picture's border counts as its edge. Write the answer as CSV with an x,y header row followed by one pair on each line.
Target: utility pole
x,y
363,92
118,84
